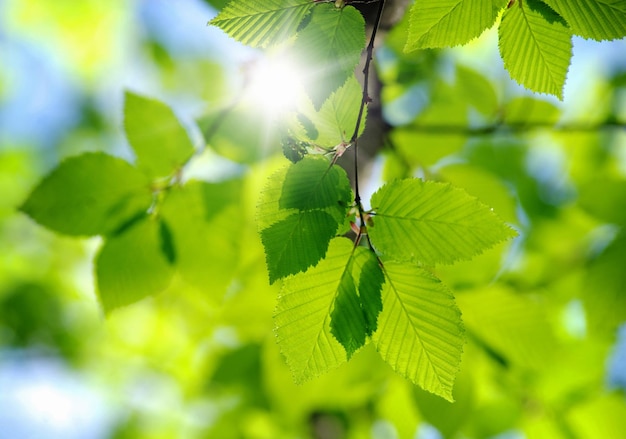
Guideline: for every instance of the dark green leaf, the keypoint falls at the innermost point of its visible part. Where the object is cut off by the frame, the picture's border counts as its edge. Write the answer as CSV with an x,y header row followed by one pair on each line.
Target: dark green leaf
x,y
297,242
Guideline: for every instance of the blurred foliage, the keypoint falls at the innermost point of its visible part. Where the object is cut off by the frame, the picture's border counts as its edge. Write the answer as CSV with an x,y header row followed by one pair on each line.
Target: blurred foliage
x,y
200,360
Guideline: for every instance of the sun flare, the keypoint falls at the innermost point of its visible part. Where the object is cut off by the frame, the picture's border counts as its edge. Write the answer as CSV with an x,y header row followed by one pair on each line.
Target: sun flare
x,y
275,85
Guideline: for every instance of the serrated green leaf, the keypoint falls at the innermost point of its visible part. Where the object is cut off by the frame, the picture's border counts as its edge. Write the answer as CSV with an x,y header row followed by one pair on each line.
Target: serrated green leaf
x,y
205,220
302,318
313,184
262,23
536,47
160,142
87,195
329,48
420,333
132,265
596,19
447,23
432,223
297,242
358,303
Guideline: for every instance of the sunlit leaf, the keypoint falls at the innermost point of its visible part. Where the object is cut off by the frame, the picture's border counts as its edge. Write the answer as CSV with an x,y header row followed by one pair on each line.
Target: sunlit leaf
x,y
447,23
535,44
329,48
262,23
90,194
297,242
132,265
420,333
597,19
302,318
432,223
160,142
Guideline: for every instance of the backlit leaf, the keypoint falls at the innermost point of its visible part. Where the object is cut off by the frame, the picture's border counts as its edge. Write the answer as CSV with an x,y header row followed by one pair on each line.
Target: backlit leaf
x,y
91,194
262,23
597,19
160,142
420,333
432,223
329,48
535,44
132,265
302,318
447,23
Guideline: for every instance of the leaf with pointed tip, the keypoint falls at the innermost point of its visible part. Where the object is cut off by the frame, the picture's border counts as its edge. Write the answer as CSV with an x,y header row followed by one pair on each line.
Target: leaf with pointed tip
x,y
420,333
302,318
596,19
329,48
133,265
536,47
447,23
358,303
87,195
262,23
297,242
431,222
160,142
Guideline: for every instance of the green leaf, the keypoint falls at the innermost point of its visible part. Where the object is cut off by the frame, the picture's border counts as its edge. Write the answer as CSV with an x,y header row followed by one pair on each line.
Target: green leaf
x,y
447,23
262,23
536,47
596,19
358,303
329,48
432,223
205,220
335,121
132,265
160,142
420,333
297,242
91,194
313,184
302,318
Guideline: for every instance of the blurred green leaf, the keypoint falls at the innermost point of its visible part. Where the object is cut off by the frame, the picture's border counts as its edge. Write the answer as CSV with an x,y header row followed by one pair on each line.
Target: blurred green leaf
x,y
160,142
132,266
91,194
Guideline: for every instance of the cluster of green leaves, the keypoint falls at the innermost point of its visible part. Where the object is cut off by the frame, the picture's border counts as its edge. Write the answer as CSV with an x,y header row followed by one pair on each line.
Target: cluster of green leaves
x,y
337,295
150,222
535,36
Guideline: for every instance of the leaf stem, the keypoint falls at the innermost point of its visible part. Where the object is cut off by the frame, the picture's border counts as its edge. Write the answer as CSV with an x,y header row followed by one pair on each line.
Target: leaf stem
x,y
364,101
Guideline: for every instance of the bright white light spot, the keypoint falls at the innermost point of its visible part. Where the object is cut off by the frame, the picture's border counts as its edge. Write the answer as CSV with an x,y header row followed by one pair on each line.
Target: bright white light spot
x,y
275,86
